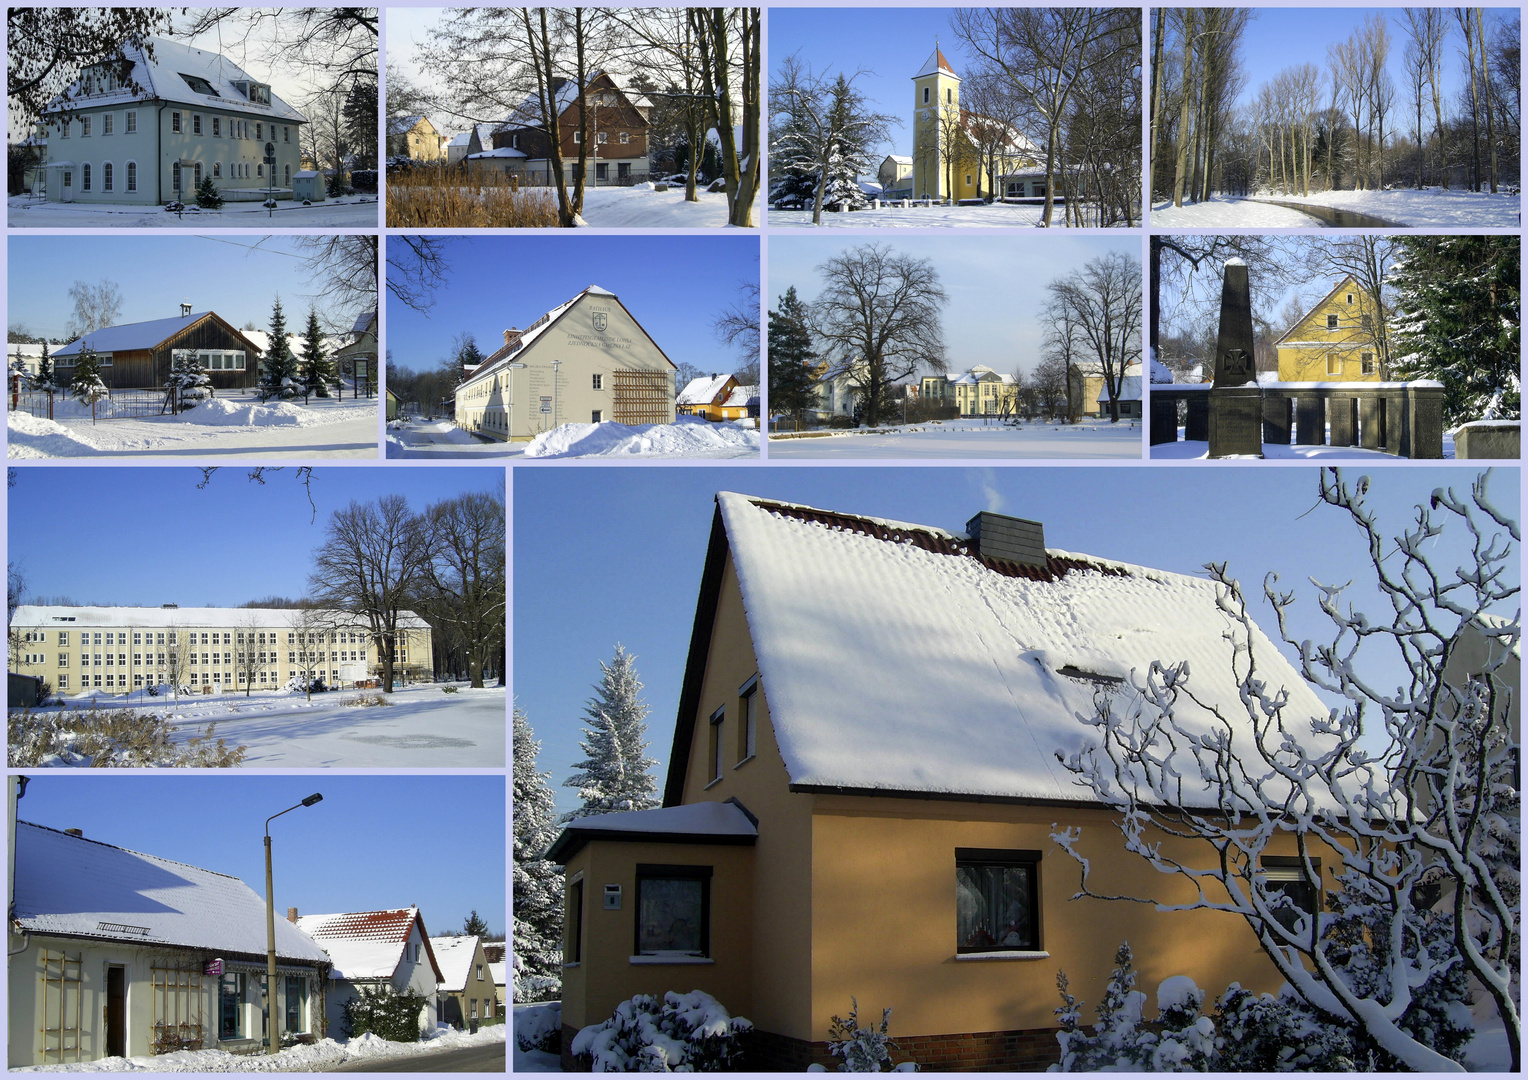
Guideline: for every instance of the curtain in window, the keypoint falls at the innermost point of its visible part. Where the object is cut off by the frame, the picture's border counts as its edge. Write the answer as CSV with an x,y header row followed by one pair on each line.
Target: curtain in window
x,y
671,910
993,906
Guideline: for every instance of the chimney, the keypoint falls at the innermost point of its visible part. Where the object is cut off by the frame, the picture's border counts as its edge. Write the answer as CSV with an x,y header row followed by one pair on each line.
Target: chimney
x,y
997,536
512,335
185,308
291,915
74,832
168,607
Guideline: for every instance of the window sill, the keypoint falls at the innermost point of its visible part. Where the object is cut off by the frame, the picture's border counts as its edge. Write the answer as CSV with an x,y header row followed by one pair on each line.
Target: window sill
x,y
670,960
712,784
1005,954
745,761
571,964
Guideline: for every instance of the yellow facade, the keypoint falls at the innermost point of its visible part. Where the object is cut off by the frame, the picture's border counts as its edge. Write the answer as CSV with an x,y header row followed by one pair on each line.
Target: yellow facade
x,y
937,136
1335,341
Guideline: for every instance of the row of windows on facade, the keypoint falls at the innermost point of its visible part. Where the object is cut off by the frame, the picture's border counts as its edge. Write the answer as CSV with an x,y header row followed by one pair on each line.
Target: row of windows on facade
x,y
237,170
255,637
997,906
148,659
234,1006
236,128
1334,363
119,681
1366,321
746,713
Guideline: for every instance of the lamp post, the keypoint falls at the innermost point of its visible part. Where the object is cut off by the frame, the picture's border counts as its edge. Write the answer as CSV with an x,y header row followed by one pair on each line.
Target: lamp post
x,y
272,1042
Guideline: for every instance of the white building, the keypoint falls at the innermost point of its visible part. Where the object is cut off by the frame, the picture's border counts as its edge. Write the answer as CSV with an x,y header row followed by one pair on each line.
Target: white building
x,y
374,949
585,361
192,115
114,953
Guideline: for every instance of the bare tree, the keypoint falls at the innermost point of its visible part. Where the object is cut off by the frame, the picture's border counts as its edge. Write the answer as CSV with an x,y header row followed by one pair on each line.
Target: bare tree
x,y
1427,28
1368,259
48,46
1103,303
665,57
342,271
334,46
311,628
252,659
728,41
372,560
879,317
738,327
177,660
465,576
416,267
96,306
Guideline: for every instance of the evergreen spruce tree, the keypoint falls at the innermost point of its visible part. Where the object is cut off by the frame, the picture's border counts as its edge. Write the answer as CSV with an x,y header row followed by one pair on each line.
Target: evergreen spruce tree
x,y
469,356
1458,315
18,370
45,379
317,367
615,774
278,371
538,883
207,196
474,926
86,386
188,382
792,384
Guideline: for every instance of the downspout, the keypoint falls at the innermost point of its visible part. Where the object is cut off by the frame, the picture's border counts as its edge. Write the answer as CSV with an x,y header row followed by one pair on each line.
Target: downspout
x,y
159,152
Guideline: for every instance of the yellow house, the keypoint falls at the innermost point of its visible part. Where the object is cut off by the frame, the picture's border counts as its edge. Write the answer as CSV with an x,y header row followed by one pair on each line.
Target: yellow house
x,y
1336,341
980,391
947,162
864,783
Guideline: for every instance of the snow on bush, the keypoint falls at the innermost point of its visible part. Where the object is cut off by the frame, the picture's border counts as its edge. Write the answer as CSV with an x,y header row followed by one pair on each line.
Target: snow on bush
x,y
110,738
685,1033
539,1028
862,1049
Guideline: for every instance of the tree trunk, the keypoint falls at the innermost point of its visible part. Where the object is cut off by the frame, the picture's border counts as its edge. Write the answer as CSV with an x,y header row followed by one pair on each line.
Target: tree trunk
x,y
1156,93
1485,79
1181,165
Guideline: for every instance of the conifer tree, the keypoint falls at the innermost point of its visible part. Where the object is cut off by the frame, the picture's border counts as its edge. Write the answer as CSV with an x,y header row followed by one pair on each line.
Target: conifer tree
x,y
188,382
1458,319
86,386
792,384
615,773
317,367
207,195
278,371
538,883
45,379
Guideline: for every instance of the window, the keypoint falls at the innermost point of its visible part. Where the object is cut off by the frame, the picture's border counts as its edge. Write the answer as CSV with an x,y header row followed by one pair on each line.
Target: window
x,y
132,121
107,122
1333,364
196,123
175,177
715,756
217,169
748,719
63,130
623,169
1366,321
1367,362
175,120
63,637
673,910
85,127
602,137
601,171
596,416
1350,298
925,95
599,382
286,133
231,1006
625,137
259,130
479,969
996,900
63,681
1331,322
1283,875
573,921
472,1009
132,174
578,136
85,177
968,179
260,170
287,176
296,1002
217,127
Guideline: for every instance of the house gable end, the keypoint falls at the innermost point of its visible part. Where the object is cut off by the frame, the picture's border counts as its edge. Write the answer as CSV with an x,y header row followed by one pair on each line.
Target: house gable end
x,y
1315,318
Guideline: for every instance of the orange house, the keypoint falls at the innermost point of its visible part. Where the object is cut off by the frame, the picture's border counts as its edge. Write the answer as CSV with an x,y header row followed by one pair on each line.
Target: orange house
x,y
864,783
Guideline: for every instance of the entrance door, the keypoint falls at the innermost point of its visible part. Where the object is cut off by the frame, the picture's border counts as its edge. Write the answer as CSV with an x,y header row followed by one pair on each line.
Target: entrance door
x,y
116,1012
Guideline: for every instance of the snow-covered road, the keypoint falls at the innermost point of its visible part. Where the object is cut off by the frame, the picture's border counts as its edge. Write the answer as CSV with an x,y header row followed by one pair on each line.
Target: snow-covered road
x,y
996,215
1431,208
351,212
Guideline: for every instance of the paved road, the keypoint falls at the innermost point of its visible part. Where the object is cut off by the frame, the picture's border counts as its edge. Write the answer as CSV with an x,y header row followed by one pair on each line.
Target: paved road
x,y
471,1059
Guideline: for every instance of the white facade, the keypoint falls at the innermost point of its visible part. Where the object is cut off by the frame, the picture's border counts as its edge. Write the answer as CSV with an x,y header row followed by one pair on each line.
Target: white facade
x,y
373,949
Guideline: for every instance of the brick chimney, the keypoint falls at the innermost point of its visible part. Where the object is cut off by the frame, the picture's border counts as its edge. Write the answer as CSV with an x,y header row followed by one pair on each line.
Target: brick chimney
x,y
1016,540
512,335
291,915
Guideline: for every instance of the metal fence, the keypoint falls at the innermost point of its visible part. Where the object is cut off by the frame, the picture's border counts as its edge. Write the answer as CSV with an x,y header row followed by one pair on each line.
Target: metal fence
x,y
120,404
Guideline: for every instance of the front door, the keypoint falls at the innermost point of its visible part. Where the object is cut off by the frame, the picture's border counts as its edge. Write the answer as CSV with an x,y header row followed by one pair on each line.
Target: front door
x,y
116,1012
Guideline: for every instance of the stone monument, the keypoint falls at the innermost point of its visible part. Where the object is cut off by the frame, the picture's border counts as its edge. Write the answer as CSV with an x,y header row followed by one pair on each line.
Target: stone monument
x,y
1236,405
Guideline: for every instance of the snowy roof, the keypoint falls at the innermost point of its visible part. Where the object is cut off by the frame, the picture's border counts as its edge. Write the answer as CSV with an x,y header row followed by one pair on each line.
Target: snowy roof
x,y
367,944
460,140
900,159
936,63
138,335
70,886
496,971
528,112
501,356
184,75
501,152
453,955
712,822
704,390
65,618
741,396
402,125
1129,389
1160,373
980,373
869,635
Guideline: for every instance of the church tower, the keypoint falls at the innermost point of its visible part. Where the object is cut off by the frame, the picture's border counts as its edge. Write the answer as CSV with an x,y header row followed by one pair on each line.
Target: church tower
x,y
936,95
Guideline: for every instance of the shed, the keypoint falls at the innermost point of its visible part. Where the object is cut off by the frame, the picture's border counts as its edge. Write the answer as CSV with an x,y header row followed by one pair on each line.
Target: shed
x,y
308,184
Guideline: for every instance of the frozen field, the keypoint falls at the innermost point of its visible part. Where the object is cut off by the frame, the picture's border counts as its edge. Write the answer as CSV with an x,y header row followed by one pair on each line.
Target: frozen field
x,y
1090,439
351,212
997,215
224,427
640,206
422,727
687,438
1431,208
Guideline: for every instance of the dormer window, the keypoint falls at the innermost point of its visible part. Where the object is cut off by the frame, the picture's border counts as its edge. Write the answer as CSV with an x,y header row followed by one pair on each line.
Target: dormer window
x,y
199,85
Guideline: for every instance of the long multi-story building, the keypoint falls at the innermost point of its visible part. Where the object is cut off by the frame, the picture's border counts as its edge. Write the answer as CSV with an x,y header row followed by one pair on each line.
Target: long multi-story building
x,y
208,650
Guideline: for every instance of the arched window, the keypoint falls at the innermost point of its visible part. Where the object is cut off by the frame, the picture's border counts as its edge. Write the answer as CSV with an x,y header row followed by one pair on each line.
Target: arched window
x,y
287,172
132,176
106,176
85,177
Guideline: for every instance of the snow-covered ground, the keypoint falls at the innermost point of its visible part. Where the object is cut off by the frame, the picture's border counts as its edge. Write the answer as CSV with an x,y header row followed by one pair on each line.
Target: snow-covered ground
x,y
530,1020
350,212
319,1057
421,727
1188,451
639,206
972,439
996,215
1431,208
689,437
234,425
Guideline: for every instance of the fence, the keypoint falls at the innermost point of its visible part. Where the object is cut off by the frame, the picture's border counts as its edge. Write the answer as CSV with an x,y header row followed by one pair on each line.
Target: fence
x,y
120,404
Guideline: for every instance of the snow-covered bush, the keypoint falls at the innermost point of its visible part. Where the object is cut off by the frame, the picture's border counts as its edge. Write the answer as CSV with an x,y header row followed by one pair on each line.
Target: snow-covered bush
x,y
1264,1033
1117,1041
385,1012
367,701
862,1049
188,382
110,738
684,1033
539,1028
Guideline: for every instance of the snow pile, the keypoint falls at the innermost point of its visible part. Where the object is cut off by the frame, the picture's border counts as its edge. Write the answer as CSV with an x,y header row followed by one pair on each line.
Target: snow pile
x,y
686,437
317,1057
29,436
686,1033
538,1027
222,411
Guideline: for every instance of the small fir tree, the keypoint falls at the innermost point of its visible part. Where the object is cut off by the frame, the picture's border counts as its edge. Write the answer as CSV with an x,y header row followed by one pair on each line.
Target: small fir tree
x,y
538,884
317,367
615,774
278,371
86,386
474,926
45,379
188,383
207,196
792,386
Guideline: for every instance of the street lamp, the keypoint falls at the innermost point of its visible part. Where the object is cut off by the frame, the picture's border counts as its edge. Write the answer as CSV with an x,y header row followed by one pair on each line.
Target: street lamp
x,y
272,1043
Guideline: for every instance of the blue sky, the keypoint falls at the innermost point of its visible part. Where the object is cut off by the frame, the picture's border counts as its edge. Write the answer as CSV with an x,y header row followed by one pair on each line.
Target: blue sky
x,y
607,555
373,842
236,275
675,286
148,536
996,290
